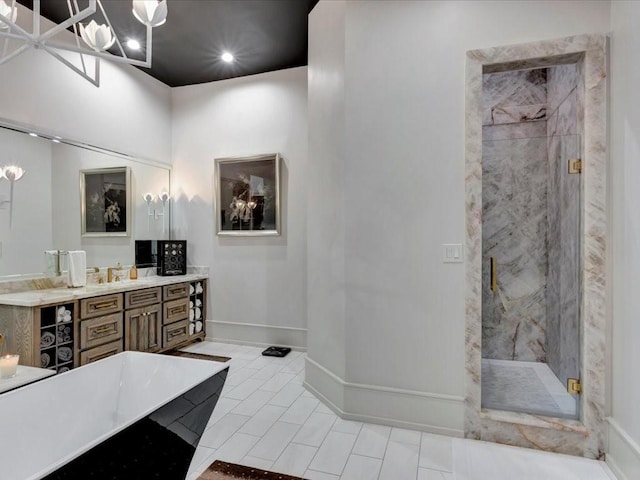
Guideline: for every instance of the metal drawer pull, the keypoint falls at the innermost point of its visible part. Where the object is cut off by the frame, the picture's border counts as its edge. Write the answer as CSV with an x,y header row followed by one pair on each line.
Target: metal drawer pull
x,y
101,305
104,355
146,296
103,329
177,333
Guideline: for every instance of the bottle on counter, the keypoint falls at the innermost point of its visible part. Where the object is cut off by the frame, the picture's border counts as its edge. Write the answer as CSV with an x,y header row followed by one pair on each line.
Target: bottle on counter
x,y
133,273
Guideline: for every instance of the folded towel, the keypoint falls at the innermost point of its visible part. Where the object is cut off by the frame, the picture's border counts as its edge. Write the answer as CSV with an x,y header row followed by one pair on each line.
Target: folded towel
x,y
77,268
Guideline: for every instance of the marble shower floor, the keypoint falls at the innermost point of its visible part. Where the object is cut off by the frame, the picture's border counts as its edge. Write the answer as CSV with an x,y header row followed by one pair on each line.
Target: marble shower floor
x,y
266,419
528,387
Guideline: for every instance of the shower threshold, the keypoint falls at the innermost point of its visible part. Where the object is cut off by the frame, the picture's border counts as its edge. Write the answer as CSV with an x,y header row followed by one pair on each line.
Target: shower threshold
x,y
526,387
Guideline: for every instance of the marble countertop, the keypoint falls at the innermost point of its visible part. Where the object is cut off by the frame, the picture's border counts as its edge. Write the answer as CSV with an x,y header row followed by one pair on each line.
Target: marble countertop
x,y
23,376
36,298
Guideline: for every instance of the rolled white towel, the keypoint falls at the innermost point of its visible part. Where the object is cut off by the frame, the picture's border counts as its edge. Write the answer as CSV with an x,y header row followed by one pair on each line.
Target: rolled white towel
x,y
77,268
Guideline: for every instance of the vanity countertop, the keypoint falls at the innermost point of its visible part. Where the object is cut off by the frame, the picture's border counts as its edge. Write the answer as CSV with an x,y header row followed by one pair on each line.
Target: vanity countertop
x,y
37,298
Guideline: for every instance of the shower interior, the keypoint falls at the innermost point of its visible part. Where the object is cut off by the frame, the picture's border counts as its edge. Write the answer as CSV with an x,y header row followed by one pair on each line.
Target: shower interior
x,y
531,239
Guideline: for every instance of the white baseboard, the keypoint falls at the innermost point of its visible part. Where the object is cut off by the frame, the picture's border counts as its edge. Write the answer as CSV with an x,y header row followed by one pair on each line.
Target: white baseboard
x,y
623,454
427,412
257,335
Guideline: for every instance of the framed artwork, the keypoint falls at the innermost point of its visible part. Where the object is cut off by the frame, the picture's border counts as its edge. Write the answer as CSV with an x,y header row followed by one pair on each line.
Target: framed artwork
x,y
105,197
248,195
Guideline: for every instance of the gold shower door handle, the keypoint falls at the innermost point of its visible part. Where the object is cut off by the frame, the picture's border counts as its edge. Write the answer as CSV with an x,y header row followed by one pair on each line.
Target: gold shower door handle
x,y
494,274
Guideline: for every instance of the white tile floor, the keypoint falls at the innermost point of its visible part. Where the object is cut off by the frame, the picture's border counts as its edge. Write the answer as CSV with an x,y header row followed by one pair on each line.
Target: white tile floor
x,y
266,419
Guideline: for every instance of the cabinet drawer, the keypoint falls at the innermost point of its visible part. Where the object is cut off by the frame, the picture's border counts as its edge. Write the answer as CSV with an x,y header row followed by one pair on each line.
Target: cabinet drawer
x,y
140,298
175,334
176,310
98,353
179,290
100,330
97,306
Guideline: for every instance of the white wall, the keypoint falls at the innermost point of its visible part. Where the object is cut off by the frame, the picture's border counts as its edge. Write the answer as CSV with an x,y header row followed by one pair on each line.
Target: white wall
x,y
257,285
326,213
129,112
624,432
403,190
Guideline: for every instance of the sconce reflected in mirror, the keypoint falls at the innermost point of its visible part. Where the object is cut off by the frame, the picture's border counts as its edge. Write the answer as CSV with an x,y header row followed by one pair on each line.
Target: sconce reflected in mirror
x,y
13,173
153,212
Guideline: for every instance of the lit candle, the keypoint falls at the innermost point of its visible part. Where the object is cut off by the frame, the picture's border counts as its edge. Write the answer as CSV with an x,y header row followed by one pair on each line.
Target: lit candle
x,y
8,365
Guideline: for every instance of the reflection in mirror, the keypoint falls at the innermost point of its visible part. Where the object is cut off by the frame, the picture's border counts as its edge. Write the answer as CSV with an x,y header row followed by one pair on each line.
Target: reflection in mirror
x,y
43,212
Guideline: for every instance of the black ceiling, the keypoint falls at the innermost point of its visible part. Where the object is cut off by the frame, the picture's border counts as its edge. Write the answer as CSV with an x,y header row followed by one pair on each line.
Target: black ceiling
x,y
263,35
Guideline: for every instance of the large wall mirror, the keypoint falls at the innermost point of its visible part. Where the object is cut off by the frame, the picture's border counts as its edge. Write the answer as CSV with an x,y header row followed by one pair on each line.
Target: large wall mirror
x,y
42,210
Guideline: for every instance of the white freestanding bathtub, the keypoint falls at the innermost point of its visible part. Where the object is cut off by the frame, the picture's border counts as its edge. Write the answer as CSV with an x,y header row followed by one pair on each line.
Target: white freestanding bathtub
x,y
131,416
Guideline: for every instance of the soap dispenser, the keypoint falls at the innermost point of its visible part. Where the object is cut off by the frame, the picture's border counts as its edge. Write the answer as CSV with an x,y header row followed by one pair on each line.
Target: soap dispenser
x,y
133,272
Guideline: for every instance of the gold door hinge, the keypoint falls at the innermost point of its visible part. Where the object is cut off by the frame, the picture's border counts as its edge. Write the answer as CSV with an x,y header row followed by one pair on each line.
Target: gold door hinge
x,y
575,165
574,386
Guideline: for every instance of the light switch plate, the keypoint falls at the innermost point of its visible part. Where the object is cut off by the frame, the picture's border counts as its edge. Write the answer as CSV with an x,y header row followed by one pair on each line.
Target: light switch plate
x,y
452,253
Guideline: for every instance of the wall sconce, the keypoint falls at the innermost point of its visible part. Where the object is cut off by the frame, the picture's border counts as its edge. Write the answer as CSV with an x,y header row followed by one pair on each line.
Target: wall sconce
x,y
150,199
13,173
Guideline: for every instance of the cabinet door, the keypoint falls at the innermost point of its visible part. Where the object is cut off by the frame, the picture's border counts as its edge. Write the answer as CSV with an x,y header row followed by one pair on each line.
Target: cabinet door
x,y
143,331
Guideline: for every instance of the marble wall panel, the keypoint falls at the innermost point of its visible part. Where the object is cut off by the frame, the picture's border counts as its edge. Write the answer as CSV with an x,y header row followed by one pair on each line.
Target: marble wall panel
x,y
514,131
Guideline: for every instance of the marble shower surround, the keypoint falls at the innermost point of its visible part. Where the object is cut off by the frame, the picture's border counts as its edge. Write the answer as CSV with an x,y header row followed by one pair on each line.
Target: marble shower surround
x,y
584,437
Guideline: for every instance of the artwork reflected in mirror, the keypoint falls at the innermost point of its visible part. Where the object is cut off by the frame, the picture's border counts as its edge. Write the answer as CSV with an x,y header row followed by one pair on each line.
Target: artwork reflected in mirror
x,y
105,202
248,195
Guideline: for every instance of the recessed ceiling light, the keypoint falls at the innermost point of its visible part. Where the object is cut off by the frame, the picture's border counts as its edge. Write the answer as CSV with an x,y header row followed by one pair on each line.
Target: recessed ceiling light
x,y
33,134
133,44
55,140
227,57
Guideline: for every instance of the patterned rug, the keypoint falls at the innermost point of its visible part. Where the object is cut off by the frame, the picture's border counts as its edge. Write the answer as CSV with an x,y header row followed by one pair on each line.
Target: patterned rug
x,y
227,471
198,356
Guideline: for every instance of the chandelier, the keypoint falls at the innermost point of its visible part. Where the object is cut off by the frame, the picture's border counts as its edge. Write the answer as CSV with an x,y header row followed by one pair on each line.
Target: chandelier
x,y
92,38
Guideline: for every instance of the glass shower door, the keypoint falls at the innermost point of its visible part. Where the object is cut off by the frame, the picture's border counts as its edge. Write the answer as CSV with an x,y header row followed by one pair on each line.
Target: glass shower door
x,y
531,275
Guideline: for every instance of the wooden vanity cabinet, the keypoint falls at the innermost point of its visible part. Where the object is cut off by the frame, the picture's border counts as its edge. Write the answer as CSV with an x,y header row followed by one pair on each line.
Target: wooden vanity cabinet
x,y
143,324
65,335
101,327
184,313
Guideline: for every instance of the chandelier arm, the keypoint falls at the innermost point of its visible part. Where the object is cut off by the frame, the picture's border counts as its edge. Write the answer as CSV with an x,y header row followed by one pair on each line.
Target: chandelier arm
x,y
148,53
14,27
75,30
25,37
95,81
15,53
81,15
107,56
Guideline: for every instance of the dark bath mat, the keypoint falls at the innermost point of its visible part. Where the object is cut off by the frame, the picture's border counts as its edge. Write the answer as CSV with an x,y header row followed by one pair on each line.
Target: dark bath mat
x,y
197,356
219,470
